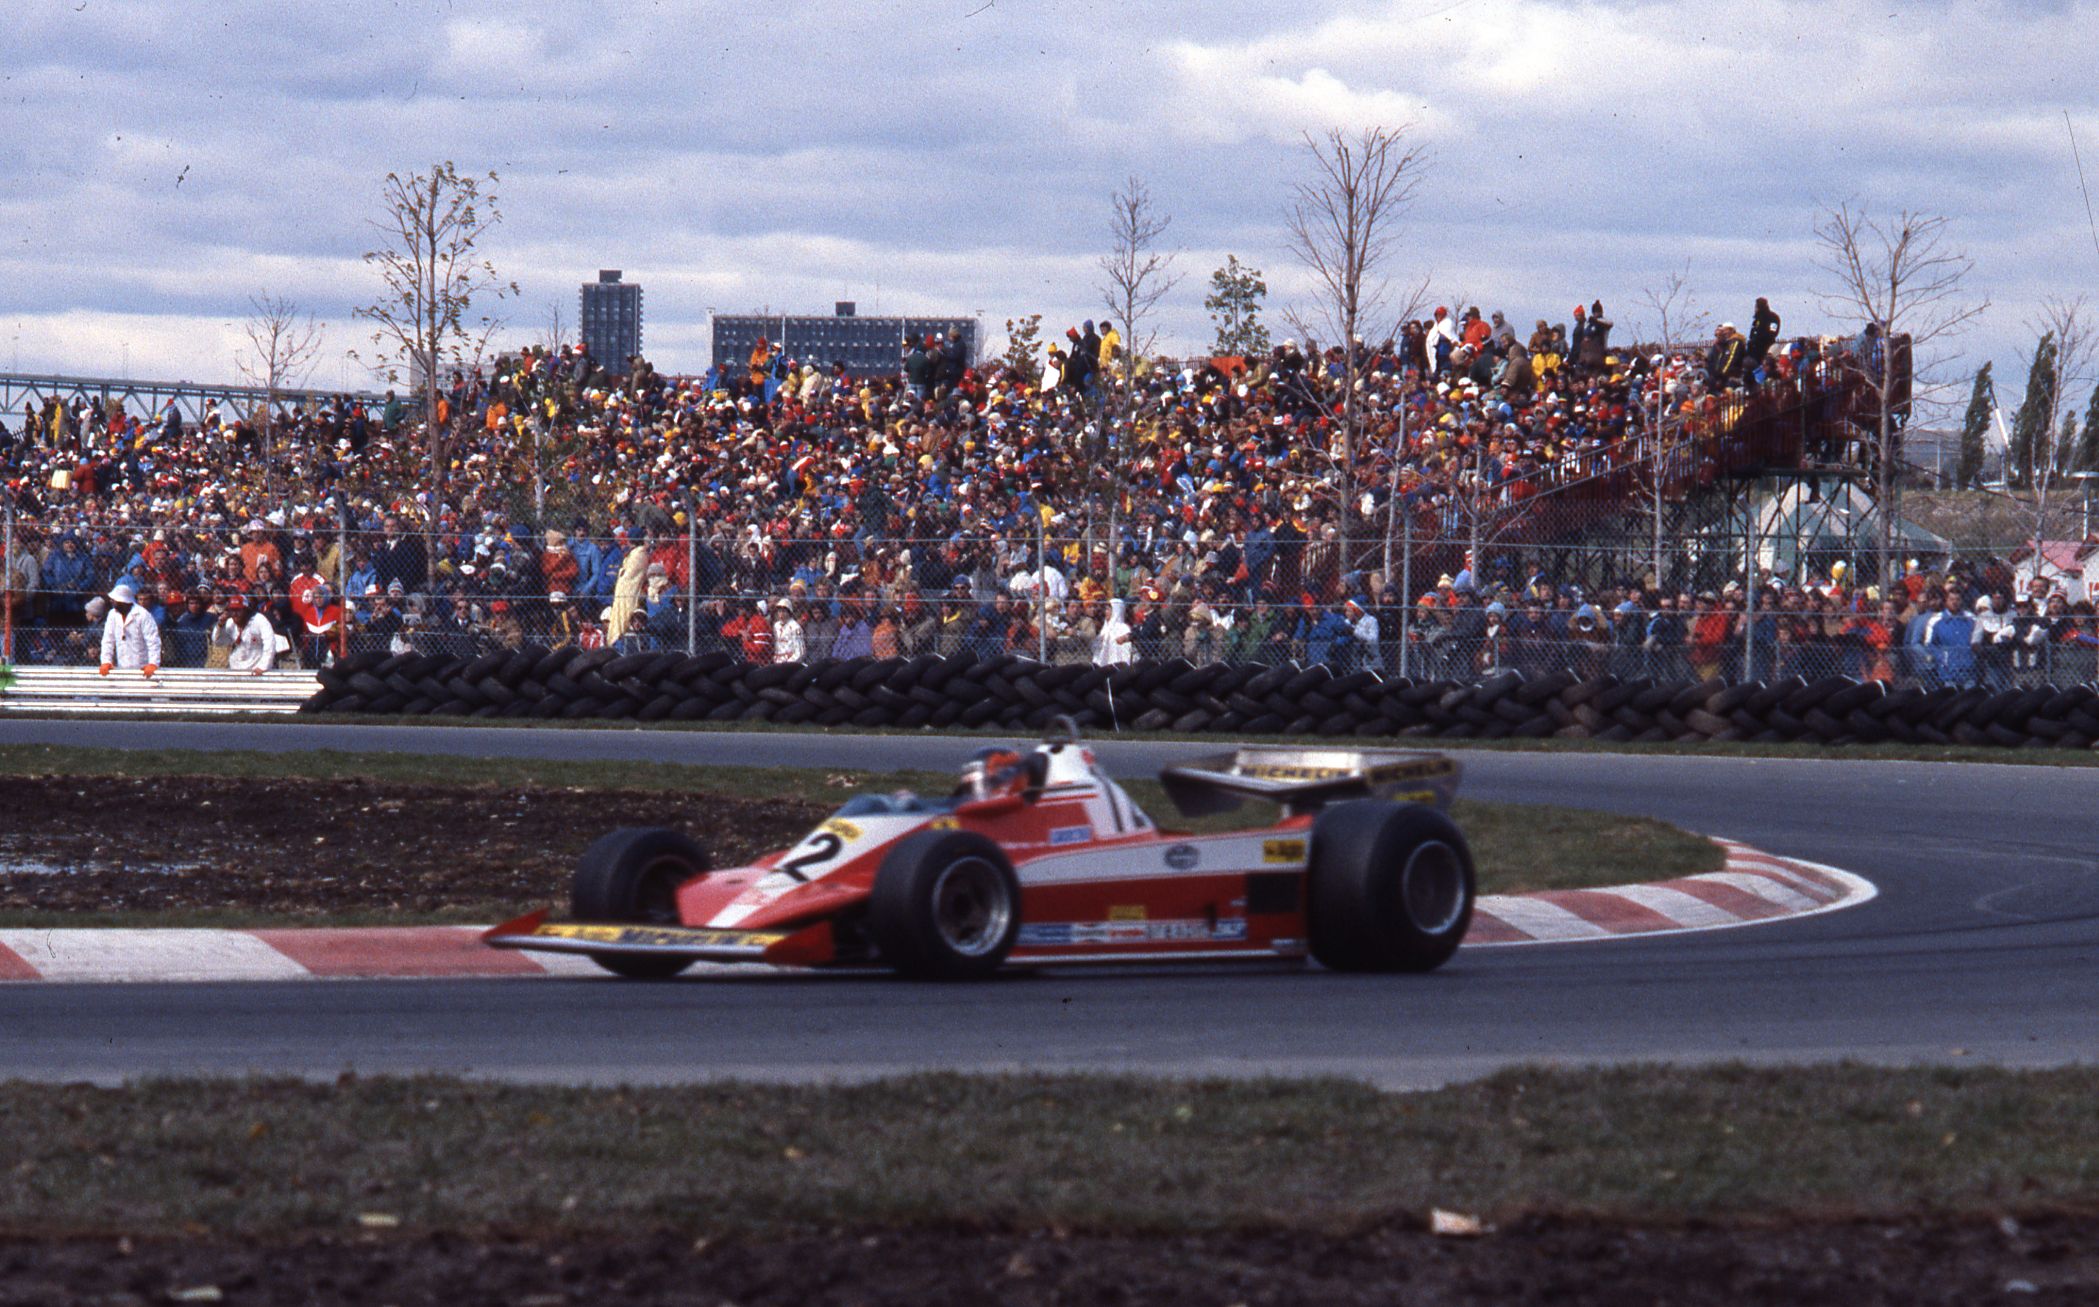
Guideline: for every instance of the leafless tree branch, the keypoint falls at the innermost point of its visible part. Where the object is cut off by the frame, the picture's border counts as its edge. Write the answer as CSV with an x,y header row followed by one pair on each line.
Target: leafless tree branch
x,y
1342,223
283,343
1901,279
431,273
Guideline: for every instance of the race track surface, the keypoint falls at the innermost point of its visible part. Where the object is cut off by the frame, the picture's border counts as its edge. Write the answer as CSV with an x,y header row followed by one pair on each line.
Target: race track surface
x,y
1983,946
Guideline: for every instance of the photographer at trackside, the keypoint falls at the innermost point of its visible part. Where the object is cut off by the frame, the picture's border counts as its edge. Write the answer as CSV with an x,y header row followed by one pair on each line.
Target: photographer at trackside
x,y
130,636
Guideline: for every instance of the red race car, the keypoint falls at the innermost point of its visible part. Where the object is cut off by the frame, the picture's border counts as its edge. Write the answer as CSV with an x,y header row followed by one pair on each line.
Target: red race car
x,y
1038,857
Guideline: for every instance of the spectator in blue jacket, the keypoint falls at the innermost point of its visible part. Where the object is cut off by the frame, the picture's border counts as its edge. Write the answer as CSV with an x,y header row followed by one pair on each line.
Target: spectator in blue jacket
x,y
69,574
1917,661
1326,638
1952,640
855,638
590,560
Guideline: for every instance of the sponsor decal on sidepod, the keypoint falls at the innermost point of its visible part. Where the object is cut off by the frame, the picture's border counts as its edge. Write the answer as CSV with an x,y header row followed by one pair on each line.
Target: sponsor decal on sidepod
x,y
1055,934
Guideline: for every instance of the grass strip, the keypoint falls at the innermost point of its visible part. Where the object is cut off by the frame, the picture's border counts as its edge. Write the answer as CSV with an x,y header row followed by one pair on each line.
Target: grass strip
x,y
1517,847
1116,1154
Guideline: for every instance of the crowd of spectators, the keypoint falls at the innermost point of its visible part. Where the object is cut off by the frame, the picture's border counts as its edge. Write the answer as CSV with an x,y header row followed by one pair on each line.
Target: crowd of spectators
x,y
1074,507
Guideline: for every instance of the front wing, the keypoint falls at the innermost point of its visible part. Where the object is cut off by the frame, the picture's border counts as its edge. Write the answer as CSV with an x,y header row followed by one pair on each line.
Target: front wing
x,y
534,933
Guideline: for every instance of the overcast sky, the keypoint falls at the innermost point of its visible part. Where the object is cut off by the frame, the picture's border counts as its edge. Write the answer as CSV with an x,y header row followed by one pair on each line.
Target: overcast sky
x,y
162,160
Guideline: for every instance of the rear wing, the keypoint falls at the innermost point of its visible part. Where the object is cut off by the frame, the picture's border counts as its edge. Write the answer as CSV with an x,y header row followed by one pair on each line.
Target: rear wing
x,y
1304,780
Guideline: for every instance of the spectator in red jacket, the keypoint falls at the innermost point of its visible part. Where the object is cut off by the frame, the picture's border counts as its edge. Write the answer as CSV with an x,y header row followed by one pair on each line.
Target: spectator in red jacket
x,y
752,633
558,565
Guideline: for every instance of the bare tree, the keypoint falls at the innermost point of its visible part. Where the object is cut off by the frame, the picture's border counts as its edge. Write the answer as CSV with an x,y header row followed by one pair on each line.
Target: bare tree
x,y
1342,222
432,272
1902,284
555,336
1135,275
1677,319
283,343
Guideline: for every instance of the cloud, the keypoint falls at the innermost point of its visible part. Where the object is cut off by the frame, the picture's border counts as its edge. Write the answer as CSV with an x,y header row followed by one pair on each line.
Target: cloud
x,y
161,162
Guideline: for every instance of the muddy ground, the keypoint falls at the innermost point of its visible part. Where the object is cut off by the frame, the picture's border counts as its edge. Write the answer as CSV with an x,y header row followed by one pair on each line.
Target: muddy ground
x,y
334,848
1852,1264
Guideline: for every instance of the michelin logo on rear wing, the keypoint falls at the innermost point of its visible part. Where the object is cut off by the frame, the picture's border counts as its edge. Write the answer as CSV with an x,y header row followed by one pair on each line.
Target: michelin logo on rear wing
x,y
1304,780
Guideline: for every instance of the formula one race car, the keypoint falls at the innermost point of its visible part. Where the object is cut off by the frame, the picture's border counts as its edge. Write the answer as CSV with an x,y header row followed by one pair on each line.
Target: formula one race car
x,y
1037,857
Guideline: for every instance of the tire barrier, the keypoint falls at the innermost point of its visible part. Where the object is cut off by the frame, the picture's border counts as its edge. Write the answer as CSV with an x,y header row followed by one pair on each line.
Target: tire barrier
x,y
1010,693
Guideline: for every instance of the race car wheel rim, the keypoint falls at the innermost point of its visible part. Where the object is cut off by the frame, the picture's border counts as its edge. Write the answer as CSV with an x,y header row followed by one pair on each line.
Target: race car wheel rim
x,y
1432,886
971,906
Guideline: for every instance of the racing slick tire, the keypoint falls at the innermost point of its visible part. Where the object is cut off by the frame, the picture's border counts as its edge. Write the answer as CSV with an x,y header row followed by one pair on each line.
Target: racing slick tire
x,y
633,875
1391,887
946,906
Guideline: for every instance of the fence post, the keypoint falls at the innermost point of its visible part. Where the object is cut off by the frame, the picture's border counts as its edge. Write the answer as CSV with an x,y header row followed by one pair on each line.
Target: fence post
x,y
7,585
1406,590
692,576
342,574
1749,598
1041,588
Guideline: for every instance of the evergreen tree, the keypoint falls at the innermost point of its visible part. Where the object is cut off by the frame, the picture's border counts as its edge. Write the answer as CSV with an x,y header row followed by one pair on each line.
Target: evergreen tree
x,y
2066,446
2032,439
1975,430
1234,302
2088,447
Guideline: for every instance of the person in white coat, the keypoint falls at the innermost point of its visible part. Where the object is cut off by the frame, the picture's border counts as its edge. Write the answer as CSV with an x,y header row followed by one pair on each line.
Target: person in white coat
x,y
1044,582
250,639
130,636
1112,646
789,640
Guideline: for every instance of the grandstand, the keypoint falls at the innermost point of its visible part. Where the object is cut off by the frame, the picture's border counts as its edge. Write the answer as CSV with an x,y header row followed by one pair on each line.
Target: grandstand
x,y
574,504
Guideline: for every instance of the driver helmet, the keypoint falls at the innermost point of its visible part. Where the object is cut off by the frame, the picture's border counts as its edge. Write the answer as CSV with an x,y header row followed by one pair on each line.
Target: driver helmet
x,y
991,771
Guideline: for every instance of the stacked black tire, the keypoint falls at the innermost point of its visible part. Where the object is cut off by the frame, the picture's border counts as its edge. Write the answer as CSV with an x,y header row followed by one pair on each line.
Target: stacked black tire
x,y
1008,693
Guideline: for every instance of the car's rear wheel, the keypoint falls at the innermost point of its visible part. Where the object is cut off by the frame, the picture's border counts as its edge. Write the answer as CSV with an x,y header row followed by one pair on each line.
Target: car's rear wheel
x,y
1391,887
946,906
633,875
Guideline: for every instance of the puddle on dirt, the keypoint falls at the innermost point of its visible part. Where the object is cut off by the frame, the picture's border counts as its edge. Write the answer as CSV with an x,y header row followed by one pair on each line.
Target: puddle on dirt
x,y
16,866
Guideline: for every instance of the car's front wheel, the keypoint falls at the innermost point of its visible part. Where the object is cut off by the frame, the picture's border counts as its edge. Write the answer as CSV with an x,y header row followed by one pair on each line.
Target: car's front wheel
x,y
946,906
633,875
1391,887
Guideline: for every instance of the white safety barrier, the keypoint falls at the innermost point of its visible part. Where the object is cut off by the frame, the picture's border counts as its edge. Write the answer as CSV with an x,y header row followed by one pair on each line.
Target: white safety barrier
x,y
172,690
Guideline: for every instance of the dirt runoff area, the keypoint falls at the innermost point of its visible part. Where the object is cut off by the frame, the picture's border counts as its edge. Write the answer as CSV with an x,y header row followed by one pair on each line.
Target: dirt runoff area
x,y
340,849
1848,1264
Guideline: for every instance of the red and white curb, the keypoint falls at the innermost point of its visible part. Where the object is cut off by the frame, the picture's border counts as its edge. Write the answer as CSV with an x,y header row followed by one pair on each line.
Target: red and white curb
x,y
1752,887
1755,887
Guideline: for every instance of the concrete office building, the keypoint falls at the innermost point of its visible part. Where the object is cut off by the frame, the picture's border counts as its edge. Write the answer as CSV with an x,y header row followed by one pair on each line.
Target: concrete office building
x,y
609,320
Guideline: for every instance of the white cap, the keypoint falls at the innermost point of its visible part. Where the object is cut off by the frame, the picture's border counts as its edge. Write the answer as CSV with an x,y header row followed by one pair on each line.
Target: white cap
x,y
122,594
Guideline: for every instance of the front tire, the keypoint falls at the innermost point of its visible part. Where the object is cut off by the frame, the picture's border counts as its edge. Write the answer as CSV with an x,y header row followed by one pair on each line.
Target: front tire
x,y
1391,887
946,906
633,875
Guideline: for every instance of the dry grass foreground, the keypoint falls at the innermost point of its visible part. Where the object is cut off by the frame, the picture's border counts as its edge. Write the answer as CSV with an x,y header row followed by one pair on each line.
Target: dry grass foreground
x,y
1835,1184
198,838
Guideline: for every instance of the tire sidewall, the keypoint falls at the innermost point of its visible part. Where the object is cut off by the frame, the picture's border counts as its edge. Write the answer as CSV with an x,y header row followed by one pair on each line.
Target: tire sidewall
x,y
900,908
1357,915
612,878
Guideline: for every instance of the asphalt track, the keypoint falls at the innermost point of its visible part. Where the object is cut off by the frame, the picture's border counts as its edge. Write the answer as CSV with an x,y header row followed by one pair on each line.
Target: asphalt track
x,y
1983,946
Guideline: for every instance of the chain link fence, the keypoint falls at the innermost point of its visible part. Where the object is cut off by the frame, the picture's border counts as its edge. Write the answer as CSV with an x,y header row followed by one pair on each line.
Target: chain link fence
x,y
1992,617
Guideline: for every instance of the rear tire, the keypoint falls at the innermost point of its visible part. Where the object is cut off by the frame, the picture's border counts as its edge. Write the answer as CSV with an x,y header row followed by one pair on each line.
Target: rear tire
x,y
1391,887
632,876
946,906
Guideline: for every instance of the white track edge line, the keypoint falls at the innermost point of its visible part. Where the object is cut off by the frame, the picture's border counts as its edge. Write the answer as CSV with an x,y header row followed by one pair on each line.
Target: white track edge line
x,y
1858,891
